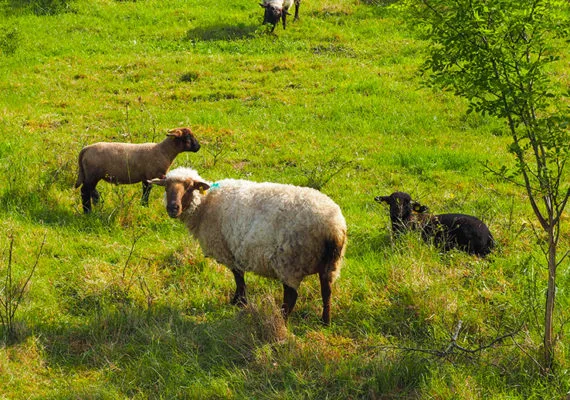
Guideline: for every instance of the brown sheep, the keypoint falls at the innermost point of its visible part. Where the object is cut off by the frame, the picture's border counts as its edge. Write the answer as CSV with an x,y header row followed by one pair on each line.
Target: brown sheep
x,y
125,163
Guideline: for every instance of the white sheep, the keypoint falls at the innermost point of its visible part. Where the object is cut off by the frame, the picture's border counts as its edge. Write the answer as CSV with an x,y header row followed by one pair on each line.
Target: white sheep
x,y
122,163
278,9
279,231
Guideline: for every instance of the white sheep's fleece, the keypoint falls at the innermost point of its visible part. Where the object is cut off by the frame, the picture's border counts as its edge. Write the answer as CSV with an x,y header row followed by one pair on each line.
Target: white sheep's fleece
x,y
183,173
286,4
274,230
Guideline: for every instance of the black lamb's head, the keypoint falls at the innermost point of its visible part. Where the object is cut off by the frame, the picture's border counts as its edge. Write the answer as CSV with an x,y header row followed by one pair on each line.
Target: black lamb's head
x,y
401,207
272,14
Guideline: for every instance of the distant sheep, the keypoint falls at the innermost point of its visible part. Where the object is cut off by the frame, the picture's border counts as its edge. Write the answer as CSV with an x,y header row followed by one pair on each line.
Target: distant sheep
x,y
278,9
278,231
122,163
461,231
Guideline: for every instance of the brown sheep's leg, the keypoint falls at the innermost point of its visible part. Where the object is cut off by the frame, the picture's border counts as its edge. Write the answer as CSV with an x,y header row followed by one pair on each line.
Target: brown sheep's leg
x,y
326,295
95,196
289,300
146,192
86,191
239,296
297,5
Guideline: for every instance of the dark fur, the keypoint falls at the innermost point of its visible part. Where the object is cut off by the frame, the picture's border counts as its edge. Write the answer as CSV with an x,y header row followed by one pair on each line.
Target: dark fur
x,y
449,231
273,14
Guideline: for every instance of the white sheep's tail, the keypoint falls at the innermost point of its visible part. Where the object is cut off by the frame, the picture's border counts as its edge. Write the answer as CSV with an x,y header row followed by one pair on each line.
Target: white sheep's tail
x,y
333,254
80,173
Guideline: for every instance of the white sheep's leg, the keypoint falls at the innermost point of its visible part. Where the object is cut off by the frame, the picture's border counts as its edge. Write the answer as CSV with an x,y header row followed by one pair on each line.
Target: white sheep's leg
x,y
297,5
145,193
289,300
326,295
240,298
284,17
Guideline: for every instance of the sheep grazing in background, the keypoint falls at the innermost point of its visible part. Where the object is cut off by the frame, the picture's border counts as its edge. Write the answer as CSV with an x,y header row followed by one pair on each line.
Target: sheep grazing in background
x,y
121,163
279,231
461,231
278,9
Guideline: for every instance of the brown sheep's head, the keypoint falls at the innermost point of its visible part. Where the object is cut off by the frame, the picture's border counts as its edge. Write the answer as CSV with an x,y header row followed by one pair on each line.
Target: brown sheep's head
x,y
180,185
185,138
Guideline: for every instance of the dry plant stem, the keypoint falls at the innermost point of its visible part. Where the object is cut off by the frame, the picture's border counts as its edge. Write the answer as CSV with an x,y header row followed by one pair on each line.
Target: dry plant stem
x,y
12,297
449,349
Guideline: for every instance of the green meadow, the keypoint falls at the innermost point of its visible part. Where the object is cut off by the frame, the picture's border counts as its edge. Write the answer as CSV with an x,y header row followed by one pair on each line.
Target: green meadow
x,y
123,304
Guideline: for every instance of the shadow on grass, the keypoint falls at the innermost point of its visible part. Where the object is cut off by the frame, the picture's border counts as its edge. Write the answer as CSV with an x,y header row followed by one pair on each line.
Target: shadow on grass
x,y
37,7
38,207
221,32
162,351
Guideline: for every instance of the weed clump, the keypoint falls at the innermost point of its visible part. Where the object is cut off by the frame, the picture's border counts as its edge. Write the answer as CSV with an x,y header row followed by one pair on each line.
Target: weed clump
x,y
9,40
189,77
264,322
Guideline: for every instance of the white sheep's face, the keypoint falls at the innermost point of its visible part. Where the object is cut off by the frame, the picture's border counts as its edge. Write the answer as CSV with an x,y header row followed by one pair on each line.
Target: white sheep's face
x,y
177,194
180,194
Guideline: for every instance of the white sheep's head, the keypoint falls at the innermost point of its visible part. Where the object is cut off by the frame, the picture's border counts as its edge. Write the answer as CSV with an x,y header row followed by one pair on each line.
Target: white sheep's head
x,y
185,139
180,186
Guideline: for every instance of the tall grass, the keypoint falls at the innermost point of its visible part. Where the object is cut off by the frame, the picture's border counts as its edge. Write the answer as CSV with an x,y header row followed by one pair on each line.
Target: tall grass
x,y
125,304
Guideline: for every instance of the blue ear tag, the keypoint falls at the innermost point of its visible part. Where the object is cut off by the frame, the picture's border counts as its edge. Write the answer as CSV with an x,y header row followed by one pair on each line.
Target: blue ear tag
x,y
214,185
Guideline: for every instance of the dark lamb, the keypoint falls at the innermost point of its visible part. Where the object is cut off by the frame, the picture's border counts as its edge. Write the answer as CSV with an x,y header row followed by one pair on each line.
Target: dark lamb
x,y
449,231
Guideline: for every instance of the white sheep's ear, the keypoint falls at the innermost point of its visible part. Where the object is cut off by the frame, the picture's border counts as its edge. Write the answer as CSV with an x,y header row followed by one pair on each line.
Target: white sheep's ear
x,y
201,186
157,181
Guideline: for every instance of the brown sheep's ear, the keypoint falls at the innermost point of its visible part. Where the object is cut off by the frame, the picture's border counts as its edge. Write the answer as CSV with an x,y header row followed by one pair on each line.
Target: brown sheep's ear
x,y
157,181
179,132
176,132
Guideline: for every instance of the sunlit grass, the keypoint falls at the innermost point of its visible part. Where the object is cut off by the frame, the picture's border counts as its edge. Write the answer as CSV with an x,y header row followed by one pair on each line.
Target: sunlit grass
x,y
125,305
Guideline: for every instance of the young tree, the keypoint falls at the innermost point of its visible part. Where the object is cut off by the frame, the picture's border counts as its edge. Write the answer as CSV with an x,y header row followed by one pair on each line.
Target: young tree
x,y
497,54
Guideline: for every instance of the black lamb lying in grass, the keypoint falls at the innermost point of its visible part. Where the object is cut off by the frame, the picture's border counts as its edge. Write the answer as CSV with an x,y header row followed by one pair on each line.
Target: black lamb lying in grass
x,y
460,231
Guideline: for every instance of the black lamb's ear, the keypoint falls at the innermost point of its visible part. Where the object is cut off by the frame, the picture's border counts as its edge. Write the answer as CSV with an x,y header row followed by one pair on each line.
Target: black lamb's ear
x,y
382,199
417,207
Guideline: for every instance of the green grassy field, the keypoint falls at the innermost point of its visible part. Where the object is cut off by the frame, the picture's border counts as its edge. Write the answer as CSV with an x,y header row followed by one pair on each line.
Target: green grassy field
x,y
123,303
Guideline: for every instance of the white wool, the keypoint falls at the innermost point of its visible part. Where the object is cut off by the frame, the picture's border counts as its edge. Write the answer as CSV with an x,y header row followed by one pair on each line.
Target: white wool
x,y
286,4
183,173
273,230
